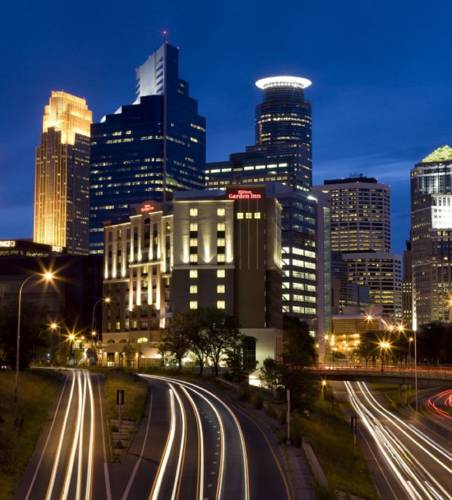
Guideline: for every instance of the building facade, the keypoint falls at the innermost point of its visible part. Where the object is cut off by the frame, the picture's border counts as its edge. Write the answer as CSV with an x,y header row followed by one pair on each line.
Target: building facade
x,y
204,250
407,287
146,150
431,230
61,201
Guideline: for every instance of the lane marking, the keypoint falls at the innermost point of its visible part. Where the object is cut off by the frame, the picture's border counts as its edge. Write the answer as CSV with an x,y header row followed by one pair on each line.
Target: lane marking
x,y
41,457
155,490
56,461
182,447
106,471
200,478
140,456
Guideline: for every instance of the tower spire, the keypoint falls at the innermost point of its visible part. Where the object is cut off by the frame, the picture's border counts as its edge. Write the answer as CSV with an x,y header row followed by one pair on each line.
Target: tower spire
x,y
165,36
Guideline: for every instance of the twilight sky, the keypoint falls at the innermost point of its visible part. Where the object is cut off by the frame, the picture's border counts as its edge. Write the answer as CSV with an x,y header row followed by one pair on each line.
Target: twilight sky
x,y
381,72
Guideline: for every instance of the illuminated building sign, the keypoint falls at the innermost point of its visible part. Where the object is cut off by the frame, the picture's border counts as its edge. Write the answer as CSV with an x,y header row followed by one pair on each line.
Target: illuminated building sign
x,y
244,194
7,244
148,206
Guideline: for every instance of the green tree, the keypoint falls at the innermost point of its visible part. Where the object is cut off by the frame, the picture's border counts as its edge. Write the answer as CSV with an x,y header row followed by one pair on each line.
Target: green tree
x,y
298,344
129,353
368,345
272,374
175,339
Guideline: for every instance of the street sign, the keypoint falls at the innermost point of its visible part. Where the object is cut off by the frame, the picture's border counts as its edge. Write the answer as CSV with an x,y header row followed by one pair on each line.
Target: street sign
x,y
120,397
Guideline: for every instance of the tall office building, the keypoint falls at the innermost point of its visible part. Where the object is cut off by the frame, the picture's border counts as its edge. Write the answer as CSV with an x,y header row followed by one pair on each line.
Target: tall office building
x,y
361,233
407,286
281,158
360,215
431,231
61,205
146,150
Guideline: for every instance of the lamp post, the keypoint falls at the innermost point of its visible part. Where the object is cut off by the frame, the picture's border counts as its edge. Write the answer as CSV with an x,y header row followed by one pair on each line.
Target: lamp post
x,y
107,300
54,328
47,277
384,346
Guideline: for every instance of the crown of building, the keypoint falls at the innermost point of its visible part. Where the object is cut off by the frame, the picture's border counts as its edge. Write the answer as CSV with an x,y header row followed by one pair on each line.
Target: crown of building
x,y
444,153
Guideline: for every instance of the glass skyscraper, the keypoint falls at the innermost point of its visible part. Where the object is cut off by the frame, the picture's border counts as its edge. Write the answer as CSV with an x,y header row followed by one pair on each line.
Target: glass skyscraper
x,y
148,149
431,232
61,205
282,156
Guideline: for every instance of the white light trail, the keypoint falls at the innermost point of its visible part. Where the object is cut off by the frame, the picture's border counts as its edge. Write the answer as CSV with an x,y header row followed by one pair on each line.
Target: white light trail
x,y
178,476
91,443
166,453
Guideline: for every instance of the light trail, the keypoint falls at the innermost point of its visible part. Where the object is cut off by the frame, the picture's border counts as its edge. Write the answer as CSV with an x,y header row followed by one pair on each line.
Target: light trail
x,y
166,453
408,470
56,460
182,447
444,399
89,466
200,480
81,438
195,387
104,447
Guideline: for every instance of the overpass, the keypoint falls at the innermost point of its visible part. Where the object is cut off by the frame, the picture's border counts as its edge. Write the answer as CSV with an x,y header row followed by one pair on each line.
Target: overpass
x,y
427,375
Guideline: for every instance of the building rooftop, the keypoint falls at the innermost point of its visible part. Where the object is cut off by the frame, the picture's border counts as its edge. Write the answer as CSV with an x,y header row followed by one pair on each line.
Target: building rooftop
x,y
283,81
443,153
348,180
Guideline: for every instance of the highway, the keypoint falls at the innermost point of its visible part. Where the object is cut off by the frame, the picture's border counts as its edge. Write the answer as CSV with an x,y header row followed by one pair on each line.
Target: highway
x,y
440,405
414,462
71,451
191,444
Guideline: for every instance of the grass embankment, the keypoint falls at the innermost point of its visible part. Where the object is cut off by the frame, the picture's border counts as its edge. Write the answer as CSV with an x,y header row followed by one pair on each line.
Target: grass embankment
x,y
332,441
396,395
37,392
135,391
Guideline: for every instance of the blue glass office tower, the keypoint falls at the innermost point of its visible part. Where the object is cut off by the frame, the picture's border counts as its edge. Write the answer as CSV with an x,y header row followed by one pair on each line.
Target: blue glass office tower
x,y
148,149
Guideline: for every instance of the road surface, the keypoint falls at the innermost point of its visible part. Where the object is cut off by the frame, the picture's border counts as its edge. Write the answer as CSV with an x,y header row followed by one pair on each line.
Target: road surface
x,y
414,462
191,444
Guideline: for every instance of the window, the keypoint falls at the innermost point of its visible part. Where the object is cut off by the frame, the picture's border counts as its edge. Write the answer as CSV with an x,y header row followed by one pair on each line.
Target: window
x,y
221,242
193,258
142,340
221,289
193,288
193,212
193,304
239,215
248,215
257,215
221,273
221,304
221,212
193,227
193,242
221,226
221,257
193,273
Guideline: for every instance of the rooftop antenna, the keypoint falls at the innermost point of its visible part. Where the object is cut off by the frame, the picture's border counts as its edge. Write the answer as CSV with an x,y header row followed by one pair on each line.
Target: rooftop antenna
x,y
165,36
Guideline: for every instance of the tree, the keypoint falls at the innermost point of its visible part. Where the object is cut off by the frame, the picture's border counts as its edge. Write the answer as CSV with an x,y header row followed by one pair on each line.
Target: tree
x,y
129,353
272,374
298,344
368,345
34,335
175,339
221,334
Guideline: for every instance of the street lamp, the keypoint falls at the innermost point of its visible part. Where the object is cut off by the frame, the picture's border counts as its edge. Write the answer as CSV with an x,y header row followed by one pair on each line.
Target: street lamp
x,y
47,277
384,346
107,300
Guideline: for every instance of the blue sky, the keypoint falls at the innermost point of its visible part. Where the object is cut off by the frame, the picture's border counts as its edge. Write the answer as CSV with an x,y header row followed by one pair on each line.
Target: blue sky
x,y
381,75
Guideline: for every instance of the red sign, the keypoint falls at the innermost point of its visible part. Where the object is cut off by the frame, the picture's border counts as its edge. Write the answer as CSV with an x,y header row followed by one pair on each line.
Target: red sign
x,y
244,194
148,207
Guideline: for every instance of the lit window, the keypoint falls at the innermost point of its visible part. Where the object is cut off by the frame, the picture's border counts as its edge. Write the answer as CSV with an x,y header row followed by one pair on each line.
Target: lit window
x,y
221,211
239,215
248,215
193,212
221,273
221,304
193,273
193,258
193,304
221,257
193,242
257,215
142,340
193,288
221,242
220,288
221,226
193,227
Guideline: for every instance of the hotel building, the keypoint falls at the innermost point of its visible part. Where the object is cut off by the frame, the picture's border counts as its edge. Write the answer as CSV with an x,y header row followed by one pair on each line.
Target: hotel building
x,y
210,249
431,230
61,201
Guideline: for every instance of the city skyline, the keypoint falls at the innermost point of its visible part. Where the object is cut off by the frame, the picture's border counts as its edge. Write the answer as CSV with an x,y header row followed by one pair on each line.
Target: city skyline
x,y
360,86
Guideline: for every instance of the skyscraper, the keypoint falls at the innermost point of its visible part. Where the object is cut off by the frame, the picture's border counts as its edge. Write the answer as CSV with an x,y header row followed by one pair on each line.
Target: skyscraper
x,y
61,205
148,149
282,156
361,232
431,230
